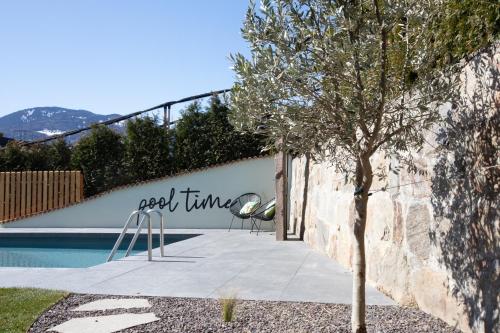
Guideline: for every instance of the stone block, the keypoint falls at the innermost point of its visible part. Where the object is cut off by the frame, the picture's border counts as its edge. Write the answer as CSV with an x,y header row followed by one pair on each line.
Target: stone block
x,y
433,295
397,222
389,270
417,231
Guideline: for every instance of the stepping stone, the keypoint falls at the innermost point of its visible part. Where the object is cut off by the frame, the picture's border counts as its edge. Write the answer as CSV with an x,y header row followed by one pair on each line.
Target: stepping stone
x,y
114,303
104,324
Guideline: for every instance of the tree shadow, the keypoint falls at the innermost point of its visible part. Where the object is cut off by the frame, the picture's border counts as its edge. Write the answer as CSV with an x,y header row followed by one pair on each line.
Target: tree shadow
x,y
465,192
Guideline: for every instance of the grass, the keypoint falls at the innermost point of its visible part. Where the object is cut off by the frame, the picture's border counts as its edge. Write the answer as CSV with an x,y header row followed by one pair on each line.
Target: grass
x,y
19,307
228,306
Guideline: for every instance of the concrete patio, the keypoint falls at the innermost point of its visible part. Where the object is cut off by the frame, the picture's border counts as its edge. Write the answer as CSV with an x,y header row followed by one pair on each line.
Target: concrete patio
x,y
213,264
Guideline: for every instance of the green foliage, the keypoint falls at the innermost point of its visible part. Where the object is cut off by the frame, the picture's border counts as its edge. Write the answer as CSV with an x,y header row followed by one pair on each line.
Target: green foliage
x,y
338,79
192,145
460,27
228,308
206,138
20,307
100,155
59,156
13,157
147,150
55,156
37,157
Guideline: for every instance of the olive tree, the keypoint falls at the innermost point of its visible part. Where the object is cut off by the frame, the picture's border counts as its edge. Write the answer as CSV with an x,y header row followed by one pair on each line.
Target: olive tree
x,y
340,80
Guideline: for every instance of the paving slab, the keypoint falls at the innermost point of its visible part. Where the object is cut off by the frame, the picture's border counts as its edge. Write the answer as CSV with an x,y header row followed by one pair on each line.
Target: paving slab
x,y
114,303
104,324
210,265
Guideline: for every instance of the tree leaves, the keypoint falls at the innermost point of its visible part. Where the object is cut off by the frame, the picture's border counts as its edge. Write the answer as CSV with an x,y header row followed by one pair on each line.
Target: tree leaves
x,y
350,77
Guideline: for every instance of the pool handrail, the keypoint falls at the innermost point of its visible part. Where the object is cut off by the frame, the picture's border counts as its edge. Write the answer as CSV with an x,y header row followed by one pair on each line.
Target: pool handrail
x,y
124,231
162,228
150,241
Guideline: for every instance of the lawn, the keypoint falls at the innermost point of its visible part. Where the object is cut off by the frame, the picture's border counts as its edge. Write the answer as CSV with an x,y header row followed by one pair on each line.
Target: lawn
x,y
19,307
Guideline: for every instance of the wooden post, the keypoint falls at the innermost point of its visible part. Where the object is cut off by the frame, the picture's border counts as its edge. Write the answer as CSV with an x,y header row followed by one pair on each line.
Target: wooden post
x,y
2,196
12,211
7,199
39,191
82,184
29,185
67,180
78,185
45,199
56,189
72,189
18,194
34,184
50,203
23,193
61,189
281,196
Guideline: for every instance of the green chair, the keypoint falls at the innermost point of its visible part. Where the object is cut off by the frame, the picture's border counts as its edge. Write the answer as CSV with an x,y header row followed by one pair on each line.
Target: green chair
x,y
243,207
266,213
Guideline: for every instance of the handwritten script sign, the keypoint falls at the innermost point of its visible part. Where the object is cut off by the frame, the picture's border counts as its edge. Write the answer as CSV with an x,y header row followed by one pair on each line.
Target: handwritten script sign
x,y
188,199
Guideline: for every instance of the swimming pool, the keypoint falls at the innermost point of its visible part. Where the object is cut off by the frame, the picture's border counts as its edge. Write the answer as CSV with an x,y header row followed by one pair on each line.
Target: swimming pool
x,y
72,250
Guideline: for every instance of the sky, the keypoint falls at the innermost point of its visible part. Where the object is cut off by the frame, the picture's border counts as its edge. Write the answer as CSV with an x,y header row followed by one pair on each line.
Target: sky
x,y
115,56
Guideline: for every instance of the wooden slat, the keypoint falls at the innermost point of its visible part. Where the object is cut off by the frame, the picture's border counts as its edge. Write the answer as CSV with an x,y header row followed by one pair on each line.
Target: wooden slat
x,y
50,191
39,191
2,195
6,213
56,189
29,192
82,185
61,189
34,185
18,194
29,185
45,190
12,210
23,193
73,187
67,179
78,183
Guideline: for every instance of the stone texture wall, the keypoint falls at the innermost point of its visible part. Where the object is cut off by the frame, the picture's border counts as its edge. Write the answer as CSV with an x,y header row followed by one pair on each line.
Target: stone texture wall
x,y
406,239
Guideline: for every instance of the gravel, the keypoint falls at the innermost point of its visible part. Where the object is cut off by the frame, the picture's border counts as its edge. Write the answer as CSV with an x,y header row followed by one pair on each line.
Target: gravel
x,y
204,315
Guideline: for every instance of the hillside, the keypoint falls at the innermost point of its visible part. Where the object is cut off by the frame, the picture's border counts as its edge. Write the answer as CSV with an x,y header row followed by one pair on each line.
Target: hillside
x,y
41,122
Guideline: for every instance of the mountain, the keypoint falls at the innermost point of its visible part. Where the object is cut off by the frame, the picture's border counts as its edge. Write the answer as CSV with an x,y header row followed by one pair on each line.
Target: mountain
x,y
42,122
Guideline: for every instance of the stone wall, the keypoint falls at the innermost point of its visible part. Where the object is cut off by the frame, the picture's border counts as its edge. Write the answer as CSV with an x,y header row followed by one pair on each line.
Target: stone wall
x,y
421,237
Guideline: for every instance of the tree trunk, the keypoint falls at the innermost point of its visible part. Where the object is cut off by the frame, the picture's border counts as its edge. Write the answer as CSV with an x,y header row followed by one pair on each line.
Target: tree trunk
x,y
363,182
281,195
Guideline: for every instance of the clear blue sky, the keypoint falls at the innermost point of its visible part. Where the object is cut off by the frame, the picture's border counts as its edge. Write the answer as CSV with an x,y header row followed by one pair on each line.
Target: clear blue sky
x,y
115,56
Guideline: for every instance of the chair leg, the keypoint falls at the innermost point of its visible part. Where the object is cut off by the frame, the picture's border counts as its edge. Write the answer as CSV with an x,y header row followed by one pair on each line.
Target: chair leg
x,y
254,224
258,229
231,224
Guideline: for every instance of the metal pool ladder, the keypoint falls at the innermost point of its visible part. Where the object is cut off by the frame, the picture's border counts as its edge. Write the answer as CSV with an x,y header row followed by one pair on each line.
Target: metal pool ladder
x,y
146,218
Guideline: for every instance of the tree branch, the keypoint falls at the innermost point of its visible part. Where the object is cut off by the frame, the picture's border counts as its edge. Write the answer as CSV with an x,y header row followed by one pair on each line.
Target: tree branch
x,y
383,71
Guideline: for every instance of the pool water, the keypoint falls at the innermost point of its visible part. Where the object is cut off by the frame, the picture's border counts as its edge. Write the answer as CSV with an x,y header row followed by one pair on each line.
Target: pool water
x,y
70,250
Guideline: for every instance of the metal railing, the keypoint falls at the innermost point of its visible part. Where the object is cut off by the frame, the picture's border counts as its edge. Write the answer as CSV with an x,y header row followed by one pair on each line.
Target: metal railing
x,y
150,241
166,115
146,218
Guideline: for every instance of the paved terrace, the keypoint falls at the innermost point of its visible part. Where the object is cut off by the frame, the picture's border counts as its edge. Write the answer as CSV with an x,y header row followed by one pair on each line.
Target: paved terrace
x,y
211,265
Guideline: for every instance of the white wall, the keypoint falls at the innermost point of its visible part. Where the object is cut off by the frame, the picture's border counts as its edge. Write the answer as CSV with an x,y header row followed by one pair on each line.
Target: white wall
x,y
112,209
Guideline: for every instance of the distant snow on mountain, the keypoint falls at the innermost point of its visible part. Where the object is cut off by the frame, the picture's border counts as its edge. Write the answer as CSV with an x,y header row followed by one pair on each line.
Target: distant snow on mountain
x,y
50,132
40,122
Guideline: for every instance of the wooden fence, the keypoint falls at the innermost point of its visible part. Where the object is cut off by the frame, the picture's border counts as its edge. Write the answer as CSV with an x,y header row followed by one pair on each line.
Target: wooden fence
x,y
29,192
